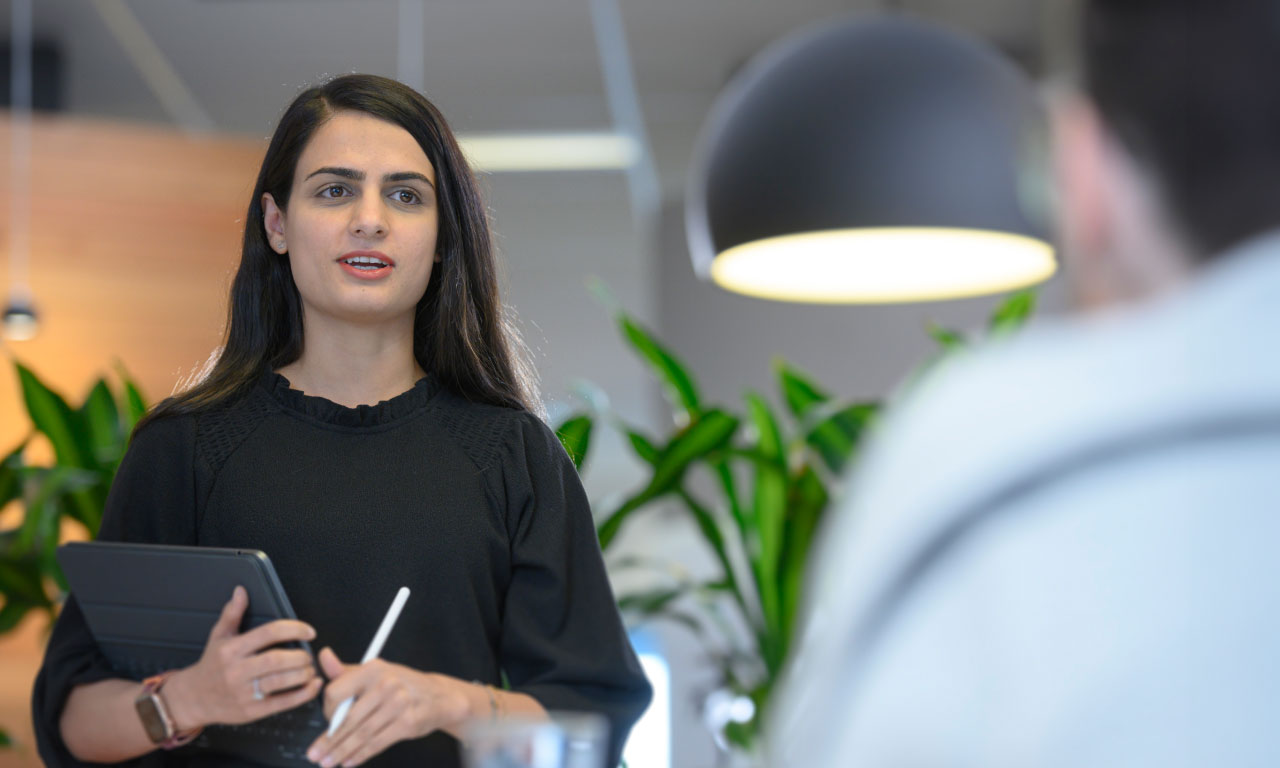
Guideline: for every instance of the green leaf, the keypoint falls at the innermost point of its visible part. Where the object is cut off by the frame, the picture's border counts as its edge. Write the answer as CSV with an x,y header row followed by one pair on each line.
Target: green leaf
x,y
612,523
675,377
20,579
948,339
715,539
709,432
643,447
52,416
646,603
837,436
769,509
46,485
103,420
807,500
135,404
724,473
799,392
5,741
1014,312
575,436
11,614
10,476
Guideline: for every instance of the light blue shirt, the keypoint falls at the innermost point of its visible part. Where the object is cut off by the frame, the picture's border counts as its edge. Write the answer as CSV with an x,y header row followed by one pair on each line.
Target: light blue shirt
x,y
1063,550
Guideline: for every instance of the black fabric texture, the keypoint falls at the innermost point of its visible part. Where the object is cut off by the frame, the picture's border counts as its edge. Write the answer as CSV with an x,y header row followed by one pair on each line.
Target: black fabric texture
x,y
476,508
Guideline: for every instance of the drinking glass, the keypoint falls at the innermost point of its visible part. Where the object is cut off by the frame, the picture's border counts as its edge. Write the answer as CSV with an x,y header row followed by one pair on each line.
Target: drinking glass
x,y
568,740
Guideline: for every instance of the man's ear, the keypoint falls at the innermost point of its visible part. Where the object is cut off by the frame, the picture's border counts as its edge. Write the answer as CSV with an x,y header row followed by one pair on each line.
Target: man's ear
x,y
273,222
1083,189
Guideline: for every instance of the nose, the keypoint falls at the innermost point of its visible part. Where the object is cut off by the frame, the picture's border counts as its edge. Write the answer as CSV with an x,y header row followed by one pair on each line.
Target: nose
x,y
368,218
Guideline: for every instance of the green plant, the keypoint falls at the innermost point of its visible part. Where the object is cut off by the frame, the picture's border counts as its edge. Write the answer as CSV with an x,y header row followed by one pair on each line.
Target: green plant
x,y
771,479
87,442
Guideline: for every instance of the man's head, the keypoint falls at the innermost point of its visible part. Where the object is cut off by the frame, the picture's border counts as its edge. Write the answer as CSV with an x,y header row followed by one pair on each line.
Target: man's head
x,y
1171,153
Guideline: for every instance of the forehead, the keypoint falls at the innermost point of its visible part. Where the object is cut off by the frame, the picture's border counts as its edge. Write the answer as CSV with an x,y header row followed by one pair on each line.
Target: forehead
x,y
363,142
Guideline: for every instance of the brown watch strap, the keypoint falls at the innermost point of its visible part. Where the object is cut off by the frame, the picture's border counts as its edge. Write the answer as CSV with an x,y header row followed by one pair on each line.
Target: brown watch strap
x,y
155,715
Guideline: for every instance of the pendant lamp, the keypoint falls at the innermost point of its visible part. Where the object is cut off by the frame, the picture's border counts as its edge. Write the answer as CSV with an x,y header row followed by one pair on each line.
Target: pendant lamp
x,y
874,159
18,323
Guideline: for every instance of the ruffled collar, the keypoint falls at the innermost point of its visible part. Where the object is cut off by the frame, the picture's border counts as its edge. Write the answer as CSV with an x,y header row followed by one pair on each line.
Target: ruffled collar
x,y
329,412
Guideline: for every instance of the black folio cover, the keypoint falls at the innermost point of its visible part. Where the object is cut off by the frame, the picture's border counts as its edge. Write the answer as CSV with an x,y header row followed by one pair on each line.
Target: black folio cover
x,y
150,607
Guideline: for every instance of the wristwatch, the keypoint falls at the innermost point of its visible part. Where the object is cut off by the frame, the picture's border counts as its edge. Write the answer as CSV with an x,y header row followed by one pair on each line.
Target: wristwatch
x,y
155,715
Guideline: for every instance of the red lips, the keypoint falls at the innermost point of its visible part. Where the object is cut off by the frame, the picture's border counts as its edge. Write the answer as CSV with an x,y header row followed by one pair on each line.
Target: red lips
x,y
379,255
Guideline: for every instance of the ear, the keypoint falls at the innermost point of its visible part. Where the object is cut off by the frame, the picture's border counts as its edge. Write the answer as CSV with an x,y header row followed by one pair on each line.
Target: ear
x,y
273,222
1085,193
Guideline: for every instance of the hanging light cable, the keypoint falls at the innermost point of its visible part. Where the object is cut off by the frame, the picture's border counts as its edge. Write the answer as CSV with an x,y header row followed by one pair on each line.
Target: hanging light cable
x,y
19,312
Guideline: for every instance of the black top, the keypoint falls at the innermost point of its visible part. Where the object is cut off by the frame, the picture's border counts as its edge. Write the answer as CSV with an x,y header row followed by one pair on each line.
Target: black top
x,y
476,508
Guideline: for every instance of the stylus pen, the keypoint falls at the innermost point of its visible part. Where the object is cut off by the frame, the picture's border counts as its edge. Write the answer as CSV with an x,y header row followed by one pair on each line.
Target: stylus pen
x,y
375,648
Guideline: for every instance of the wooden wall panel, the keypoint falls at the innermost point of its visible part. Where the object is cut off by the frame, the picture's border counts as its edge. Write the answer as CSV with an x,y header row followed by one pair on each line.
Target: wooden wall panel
x,y
135,234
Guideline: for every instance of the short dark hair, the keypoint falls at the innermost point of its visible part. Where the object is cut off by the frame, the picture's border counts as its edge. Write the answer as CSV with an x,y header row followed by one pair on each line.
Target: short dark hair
x,y
462,334
1189,88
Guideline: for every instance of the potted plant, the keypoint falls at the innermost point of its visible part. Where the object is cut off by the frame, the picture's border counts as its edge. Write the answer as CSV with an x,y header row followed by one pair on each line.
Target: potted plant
x,y
87,443
756,485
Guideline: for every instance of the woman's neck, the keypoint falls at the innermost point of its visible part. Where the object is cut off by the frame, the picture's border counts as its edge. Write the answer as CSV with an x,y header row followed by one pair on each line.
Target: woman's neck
x,y
354,364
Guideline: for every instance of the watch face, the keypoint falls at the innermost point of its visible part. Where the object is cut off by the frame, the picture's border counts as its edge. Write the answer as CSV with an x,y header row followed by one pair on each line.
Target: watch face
x,y
152,720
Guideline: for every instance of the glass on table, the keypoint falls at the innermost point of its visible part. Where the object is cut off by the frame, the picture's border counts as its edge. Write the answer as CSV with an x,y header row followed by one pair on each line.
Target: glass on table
x,y
568,740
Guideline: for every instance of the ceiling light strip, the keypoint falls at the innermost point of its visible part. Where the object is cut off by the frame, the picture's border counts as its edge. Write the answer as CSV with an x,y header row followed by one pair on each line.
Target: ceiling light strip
x,y
518,152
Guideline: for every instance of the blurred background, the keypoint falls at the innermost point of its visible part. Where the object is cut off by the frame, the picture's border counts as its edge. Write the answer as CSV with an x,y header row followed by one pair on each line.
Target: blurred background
x,y
152,117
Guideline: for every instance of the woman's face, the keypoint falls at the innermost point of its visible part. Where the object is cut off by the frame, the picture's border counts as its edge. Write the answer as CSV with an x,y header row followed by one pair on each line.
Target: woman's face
x,y
360,231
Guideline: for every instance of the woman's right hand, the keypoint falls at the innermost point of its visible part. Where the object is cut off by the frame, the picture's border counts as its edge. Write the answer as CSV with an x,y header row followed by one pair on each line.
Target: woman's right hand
x,y
219,688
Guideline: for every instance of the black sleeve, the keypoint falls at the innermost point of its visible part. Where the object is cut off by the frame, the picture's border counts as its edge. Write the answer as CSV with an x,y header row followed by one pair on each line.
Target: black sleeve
x,y
563,642
152,500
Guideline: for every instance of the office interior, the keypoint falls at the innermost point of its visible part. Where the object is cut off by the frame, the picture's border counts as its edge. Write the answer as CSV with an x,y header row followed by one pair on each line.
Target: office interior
x,y
152,115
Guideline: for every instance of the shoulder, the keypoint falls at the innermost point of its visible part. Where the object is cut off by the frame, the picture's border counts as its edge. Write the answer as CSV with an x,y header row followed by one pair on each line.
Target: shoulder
x,y
492,434
211,433
164,435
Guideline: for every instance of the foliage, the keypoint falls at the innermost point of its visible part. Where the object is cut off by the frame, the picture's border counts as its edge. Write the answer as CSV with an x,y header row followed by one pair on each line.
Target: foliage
x,y
772,479
88,442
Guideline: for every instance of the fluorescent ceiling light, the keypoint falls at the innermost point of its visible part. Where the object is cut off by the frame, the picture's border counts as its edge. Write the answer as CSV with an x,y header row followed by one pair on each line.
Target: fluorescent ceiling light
x,y
508,152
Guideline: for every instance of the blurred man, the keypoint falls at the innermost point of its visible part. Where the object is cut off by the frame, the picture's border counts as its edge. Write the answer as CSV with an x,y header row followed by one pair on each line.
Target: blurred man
x,y
1062,551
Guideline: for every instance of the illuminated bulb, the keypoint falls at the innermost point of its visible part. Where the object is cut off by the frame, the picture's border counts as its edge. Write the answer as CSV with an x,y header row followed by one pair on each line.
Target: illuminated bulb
x,y
883,265
20,322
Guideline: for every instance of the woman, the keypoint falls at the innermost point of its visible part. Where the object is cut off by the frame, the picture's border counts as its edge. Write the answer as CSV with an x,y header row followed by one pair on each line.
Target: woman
x,y
367,425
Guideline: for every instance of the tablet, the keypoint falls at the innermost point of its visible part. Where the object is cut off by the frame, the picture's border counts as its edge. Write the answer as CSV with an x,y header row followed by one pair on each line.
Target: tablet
x,y
150,608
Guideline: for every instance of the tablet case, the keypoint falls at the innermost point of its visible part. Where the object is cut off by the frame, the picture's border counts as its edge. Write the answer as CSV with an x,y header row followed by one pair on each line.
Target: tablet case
x,y
150,607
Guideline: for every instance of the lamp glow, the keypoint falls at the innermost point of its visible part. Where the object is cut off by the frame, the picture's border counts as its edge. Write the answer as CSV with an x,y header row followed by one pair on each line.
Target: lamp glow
x,y
872,266
20,322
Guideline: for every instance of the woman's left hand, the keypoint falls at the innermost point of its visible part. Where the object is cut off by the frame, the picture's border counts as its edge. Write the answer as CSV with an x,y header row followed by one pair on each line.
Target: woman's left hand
x,y
393,703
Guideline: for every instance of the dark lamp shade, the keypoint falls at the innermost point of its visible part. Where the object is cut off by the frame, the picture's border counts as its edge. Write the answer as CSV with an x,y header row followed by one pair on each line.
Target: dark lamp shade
x,y
877,159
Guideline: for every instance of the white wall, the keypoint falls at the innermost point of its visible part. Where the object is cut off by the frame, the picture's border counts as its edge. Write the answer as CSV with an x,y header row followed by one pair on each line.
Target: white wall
x,y
555,232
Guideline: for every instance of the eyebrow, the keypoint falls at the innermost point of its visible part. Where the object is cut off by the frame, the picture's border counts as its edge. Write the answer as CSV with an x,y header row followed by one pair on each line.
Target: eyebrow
x,y
354,175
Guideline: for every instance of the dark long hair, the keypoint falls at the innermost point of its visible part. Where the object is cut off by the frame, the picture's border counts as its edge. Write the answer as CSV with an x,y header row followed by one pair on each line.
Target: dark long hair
x,y
461,335
1181,84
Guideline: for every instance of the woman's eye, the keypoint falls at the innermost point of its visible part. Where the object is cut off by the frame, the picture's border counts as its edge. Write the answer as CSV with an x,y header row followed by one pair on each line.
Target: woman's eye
x,y
406,196
325,192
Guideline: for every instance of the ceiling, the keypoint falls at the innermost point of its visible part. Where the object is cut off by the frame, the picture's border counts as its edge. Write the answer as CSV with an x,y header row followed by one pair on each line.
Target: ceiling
x,y
490,65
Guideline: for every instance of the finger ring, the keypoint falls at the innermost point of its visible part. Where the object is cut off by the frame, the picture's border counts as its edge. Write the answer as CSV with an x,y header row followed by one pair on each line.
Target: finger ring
x,y
258,695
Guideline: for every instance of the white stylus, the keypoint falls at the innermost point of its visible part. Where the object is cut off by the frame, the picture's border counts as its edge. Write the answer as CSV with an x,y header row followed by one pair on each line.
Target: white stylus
x,y
375,648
